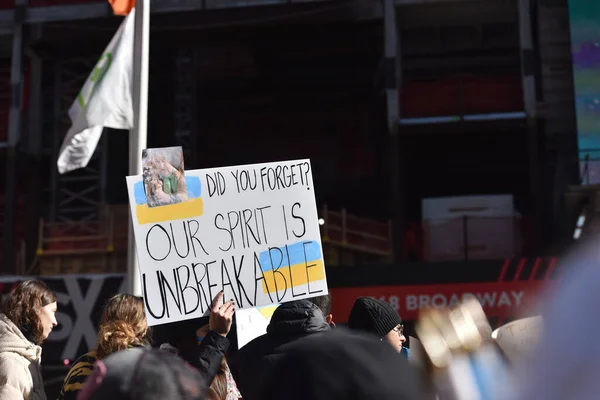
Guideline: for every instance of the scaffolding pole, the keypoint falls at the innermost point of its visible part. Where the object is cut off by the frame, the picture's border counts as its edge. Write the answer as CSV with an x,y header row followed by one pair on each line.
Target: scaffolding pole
x,y
530,101
14,133
395,161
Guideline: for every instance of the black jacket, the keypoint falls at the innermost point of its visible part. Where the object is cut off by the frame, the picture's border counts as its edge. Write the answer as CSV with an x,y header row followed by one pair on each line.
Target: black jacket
x,y
180,338
342,365
254,362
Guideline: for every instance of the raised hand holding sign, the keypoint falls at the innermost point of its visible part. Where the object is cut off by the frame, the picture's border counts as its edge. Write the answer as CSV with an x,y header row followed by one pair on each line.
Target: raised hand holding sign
x,y
221,315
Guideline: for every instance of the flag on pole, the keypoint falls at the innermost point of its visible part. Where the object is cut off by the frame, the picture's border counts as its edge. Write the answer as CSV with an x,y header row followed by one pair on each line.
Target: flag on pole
x,y
104,101
122,7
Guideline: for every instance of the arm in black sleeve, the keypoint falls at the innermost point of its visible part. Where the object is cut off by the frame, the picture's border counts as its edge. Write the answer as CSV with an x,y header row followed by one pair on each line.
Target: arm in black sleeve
x,y
210,353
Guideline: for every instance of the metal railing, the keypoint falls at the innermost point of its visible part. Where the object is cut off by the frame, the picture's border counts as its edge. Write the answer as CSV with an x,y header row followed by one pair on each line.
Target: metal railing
x,y
78,238
356,234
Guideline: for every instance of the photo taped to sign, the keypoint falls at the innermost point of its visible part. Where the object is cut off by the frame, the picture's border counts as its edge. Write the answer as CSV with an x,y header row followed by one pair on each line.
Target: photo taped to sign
x,y
164,176
250,230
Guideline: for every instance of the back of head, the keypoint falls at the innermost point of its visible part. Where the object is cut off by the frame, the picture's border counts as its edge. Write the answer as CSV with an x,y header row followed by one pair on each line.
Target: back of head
x,y
323,302
296,318
373,316
342,365
123,324
143,374
23,305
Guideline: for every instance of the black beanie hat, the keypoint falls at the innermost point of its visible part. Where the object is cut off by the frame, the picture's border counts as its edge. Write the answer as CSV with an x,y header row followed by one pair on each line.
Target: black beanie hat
x,y
373,316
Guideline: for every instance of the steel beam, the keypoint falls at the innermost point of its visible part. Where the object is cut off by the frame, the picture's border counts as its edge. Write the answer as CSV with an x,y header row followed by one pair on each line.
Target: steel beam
x,y
392,63
101,9
33,132
14,135
530,102
77,195
185,104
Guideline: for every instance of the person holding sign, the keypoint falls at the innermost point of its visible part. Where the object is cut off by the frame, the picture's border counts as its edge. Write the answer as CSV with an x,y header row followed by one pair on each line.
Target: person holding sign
x,y
182,338
290,322
342,364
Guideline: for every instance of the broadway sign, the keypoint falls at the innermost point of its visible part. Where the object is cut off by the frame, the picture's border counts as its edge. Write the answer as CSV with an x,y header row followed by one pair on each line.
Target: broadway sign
x,y
499,299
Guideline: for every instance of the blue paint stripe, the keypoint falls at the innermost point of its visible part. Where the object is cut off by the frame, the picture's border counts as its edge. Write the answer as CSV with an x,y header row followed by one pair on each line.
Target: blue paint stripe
x,y
488,373
480,377
296,255
194,189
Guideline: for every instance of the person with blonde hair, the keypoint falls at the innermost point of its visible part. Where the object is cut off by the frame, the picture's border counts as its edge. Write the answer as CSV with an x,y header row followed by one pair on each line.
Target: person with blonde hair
x,y
28,317
123,325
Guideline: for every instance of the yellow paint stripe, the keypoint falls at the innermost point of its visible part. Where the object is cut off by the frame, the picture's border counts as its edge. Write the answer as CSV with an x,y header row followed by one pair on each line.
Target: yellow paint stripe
x,y
267,311
299,276
188,209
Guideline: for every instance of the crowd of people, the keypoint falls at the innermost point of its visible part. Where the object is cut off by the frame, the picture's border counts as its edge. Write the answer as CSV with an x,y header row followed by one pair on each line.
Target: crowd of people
x,y
191,359
303,355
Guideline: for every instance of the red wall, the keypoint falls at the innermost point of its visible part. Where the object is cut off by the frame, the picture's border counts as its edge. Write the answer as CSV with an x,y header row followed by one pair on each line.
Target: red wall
x,y
7,4
500,299
460,95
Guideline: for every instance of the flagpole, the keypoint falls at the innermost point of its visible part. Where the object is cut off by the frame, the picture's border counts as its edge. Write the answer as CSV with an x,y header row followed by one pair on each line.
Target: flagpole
x,y
138,135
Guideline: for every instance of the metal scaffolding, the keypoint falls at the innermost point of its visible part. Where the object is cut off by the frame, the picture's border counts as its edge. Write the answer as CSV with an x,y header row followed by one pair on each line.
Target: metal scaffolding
x,y
185,103
76,196
14,133
101,9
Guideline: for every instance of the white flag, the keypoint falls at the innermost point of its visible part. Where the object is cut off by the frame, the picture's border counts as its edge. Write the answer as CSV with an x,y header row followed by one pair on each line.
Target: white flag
x,y
104,100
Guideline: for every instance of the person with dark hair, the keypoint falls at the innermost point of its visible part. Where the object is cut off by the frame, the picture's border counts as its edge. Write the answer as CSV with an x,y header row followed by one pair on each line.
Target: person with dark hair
x,y
254,362
123,325
143,374
27,320
378,318
341,365
324,303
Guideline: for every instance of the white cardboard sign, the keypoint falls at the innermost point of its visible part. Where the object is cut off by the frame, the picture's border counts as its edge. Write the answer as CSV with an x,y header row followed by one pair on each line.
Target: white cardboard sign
x,y
252,323
249,230
518,338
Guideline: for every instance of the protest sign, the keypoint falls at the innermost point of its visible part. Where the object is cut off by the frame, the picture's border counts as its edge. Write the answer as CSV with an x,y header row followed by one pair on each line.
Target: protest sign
x,y
518,338
252,323
249,230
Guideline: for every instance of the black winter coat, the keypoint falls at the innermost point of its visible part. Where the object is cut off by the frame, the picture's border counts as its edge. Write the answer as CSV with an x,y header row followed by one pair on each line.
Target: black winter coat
x,y
180,338
254,362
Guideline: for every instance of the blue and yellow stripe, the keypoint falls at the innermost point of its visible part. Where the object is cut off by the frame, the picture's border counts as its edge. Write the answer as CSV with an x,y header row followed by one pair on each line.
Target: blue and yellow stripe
x,y
300,255
193,207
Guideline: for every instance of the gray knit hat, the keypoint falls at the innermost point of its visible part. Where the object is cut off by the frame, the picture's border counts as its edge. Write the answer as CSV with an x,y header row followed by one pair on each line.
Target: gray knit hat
x,y
373,316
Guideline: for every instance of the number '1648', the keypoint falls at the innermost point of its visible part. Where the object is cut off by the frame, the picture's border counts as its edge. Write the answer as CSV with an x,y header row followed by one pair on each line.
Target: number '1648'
x,y
391,300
